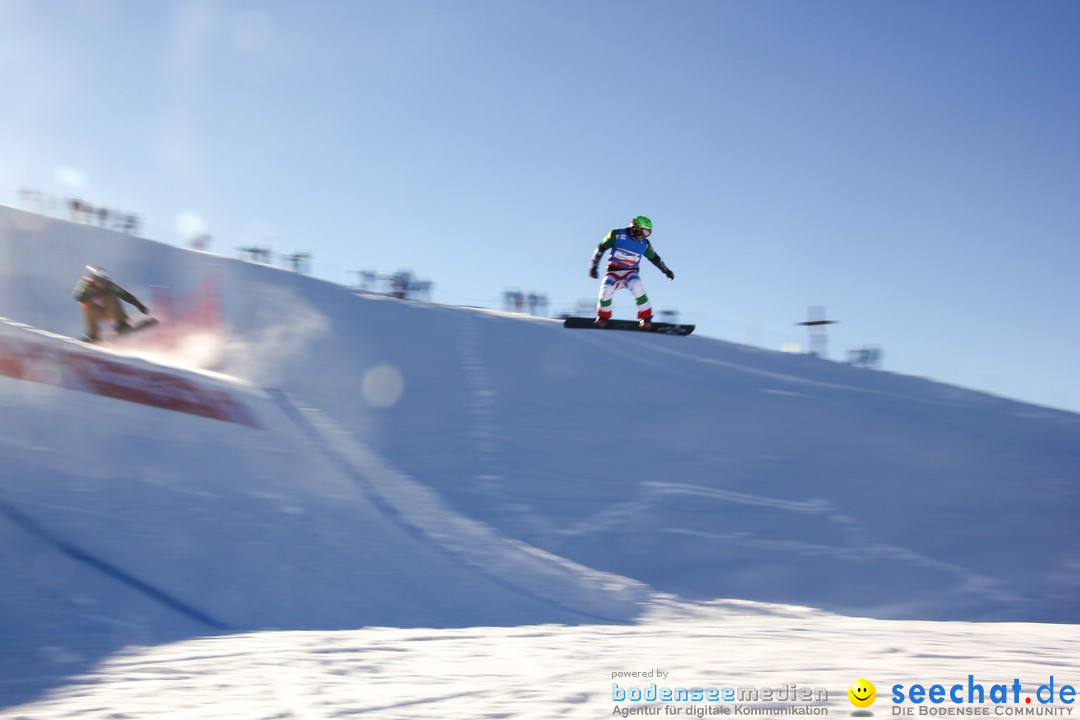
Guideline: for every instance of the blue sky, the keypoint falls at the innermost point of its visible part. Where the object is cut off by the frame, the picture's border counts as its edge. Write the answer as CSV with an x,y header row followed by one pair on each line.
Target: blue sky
x,y
912,166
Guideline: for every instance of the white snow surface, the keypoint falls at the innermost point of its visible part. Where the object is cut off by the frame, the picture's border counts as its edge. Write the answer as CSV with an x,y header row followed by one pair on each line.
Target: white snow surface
x,y
449,512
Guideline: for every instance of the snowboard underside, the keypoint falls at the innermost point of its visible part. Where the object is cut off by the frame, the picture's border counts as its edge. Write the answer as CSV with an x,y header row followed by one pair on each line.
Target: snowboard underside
x,y
662,328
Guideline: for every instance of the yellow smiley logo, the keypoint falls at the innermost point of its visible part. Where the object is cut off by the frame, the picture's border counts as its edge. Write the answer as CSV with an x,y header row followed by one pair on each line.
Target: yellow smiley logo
x,y
862,693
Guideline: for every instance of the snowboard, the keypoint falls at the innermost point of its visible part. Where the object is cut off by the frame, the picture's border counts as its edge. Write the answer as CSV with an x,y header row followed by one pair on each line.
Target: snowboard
x,y
662,328
135,327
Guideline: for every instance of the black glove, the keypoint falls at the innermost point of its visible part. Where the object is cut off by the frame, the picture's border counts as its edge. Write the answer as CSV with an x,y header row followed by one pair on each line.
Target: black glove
x,y
663,268
593,272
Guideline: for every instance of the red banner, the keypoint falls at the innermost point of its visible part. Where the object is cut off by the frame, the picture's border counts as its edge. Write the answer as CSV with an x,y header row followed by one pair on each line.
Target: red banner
x,y
87,372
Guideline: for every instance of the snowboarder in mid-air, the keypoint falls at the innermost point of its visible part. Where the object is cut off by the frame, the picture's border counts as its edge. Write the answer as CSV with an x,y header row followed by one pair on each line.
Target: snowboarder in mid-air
x,y
100,300
627,246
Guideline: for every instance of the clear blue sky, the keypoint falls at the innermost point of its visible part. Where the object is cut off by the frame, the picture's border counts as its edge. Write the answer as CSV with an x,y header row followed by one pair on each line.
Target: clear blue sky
x,y
914,166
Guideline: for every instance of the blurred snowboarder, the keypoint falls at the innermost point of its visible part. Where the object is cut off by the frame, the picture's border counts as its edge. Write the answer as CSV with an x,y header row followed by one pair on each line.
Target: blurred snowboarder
x,y
100,300
627,246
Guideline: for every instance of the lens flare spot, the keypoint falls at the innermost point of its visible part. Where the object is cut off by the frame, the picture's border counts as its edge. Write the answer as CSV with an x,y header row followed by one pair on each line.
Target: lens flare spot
x,y
70,177
383,386
189,224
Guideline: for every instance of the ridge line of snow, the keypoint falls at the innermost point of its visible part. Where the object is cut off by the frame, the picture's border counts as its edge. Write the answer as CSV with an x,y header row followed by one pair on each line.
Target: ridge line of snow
x,y
967,580
524,568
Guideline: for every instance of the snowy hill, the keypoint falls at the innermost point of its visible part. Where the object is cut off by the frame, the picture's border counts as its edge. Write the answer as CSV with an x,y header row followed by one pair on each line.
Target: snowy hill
x,y
385,463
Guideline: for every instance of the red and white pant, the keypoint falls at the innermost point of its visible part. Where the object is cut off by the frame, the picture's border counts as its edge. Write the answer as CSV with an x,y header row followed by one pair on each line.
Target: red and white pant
x,y
629,279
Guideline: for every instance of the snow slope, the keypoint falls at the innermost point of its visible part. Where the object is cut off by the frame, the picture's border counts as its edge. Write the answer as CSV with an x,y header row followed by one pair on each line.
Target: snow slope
x,y
416,466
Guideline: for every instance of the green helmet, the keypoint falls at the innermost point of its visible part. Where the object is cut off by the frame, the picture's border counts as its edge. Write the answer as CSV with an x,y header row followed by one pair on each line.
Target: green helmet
x,y
642,222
